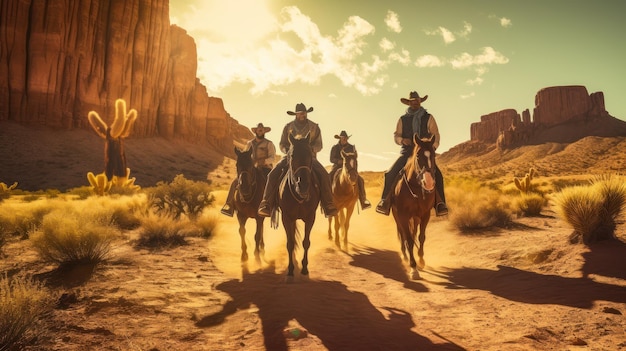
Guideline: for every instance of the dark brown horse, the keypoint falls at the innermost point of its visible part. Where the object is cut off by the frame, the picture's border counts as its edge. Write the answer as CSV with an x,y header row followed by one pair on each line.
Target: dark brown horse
x,y
299,196
412,200
345,193
248,195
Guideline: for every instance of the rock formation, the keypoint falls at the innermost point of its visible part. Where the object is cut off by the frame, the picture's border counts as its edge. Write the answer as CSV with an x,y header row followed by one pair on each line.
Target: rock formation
x,y
554,106
61,59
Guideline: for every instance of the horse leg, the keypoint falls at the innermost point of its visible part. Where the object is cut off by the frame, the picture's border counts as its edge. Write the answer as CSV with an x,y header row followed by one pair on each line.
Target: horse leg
x,y
242,234
330,231
422,239
259,248
346,226
338,224
290,230
409,235
306,243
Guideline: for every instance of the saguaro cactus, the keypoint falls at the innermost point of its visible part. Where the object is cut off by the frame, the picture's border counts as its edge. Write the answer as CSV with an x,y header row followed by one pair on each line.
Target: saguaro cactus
x,y
114,157
524,184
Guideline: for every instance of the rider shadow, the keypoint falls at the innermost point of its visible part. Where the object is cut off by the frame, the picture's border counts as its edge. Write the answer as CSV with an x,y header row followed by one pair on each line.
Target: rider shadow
x,y
386,263
534,288
340,318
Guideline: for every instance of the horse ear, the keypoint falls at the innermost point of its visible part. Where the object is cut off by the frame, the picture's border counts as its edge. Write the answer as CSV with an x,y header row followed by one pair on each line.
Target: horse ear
x,y
237,152
292,139
417,140
432,139
308,136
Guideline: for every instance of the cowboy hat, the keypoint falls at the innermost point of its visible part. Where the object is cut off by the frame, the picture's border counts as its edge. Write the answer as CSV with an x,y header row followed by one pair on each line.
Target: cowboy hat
x,y
300,108
412,97
259,126
342,134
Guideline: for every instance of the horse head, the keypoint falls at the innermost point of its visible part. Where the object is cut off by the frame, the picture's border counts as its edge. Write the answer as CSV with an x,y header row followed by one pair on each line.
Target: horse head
x,y
423,165
246,174
349,169
300,161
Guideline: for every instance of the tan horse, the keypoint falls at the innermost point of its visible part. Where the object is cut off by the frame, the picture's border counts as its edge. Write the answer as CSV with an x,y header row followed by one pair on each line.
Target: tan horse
x,y
412,199
345,195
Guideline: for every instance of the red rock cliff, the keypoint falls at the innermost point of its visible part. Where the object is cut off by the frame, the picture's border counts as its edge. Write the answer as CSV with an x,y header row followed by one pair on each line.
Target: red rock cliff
x,y
60,59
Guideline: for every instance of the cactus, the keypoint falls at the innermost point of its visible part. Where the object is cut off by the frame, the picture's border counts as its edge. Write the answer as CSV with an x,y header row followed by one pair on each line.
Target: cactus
x,y
524,184
100,184
114,158
5,190
125,182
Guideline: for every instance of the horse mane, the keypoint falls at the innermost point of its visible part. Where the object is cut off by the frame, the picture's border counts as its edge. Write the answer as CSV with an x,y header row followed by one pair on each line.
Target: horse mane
x,y
409,167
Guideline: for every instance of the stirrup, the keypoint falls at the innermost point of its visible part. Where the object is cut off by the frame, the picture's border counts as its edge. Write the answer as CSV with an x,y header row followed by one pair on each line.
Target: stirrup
x,y
366,204
383,208
441,209
228,210
265,211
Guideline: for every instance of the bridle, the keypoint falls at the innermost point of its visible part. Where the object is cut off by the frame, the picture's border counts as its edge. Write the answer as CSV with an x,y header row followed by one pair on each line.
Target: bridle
x,y
294,180
252,176
419,176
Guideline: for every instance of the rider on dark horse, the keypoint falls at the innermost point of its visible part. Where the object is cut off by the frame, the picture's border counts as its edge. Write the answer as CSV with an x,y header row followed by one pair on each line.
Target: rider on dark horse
x,y
263,154
415,120
299,127
337,160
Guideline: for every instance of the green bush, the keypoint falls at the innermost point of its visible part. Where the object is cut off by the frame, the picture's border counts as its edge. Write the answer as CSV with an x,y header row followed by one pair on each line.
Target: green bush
x,y
69,237
23,303
180,197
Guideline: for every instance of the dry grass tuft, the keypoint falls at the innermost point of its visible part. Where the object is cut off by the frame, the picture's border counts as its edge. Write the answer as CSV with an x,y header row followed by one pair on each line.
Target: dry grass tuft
x,y
23,303
163,231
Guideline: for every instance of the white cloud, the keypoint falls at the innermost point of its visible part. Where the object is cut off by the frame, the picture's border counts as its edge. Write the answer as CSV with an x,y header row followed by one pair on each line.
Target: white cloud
x,y
386,45
286,50
505,22
446,34
403,57
429,61
476,81
467,29
393,22
467,96
488,57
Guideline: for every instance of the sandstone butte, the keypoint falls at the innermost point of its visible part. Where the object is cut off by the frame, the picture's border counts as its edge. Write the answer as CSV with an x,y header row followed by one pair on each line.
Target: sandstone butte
x,y
61,59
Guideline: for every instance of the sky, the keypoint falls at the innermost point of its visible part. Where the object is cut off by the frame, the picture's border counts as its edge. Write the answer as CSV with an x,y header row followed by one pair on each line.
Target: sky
x,y
352,61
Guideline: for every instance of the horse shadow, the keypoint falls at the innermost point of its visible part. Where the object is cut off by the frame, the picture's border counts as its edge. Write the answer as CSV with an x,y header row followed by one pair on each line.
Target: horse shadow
x,y
534,288
386,263
340,318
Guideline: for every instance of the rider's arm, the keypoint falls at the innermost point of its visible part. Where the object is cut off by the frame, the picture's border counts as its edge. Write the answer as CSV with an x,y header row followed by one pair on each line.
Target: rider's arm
x,y
434,130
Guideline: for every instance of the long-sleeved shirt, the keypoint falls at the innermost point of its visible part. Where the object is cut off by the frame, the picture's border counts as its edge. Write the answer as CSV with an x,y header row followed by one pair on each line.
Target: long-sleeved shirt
x,y
301,129
263,152
432,127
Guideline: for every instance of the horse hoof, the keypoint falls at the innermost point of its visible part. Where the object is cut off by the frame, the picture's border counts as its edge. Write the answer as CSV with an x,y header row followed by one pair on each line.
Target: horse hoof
x,y
421,265
415,274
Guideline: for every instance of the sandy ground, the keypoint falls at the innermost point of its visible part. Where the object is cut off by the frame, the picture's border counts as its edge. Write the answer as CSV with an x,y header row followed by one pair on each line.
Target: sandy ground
x,y
523,288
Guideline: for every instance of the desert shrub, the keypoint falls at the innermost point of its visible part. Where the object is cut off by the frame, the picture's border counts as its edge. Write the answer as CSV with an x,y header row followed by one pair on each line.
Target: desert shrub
x,y
475,207
81,193
530,204
181,196
18,218
161,231
562,183
592,210
120,211
23,303
205,225
5,190
69,237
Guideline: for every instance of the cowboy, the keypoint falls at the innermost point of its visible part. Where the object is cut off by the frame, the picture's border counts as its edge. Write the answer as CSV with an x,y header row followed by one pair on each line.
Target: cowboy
x,y
299,127
263,154
415,120
337,160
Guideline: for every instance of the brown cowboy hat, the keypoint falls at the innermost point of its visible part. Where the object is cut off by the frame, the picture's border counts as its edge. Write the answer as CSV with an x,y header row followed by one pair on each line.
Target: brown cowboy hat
x,y
259,126
342,134
300,108
412,97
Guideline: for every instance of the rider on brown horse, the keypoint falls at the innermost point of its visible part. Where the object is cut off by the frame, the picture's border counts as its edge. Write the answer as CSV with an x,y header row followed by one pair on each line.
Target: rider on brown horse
x,y
337,160
300,127
263,154
415,120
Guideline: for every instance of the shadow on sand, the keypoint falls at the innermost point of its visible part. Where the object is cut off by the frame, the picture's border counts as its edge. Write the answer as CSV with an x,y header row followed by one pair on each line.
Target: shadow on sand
x,y
340,318
534,288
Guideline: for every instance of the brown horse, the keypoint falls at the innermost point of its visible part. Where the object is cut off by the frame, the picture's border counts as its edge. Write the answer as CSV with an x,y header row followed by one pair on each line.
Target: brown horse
x,y
248,195
345,194
412,200
298,198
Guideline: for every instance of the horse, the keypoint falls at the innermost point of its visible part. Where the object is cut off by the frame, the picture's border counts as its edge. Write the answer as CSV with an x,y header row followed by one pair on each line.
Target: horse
x,y
412,200
298,198
345,194
248,195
